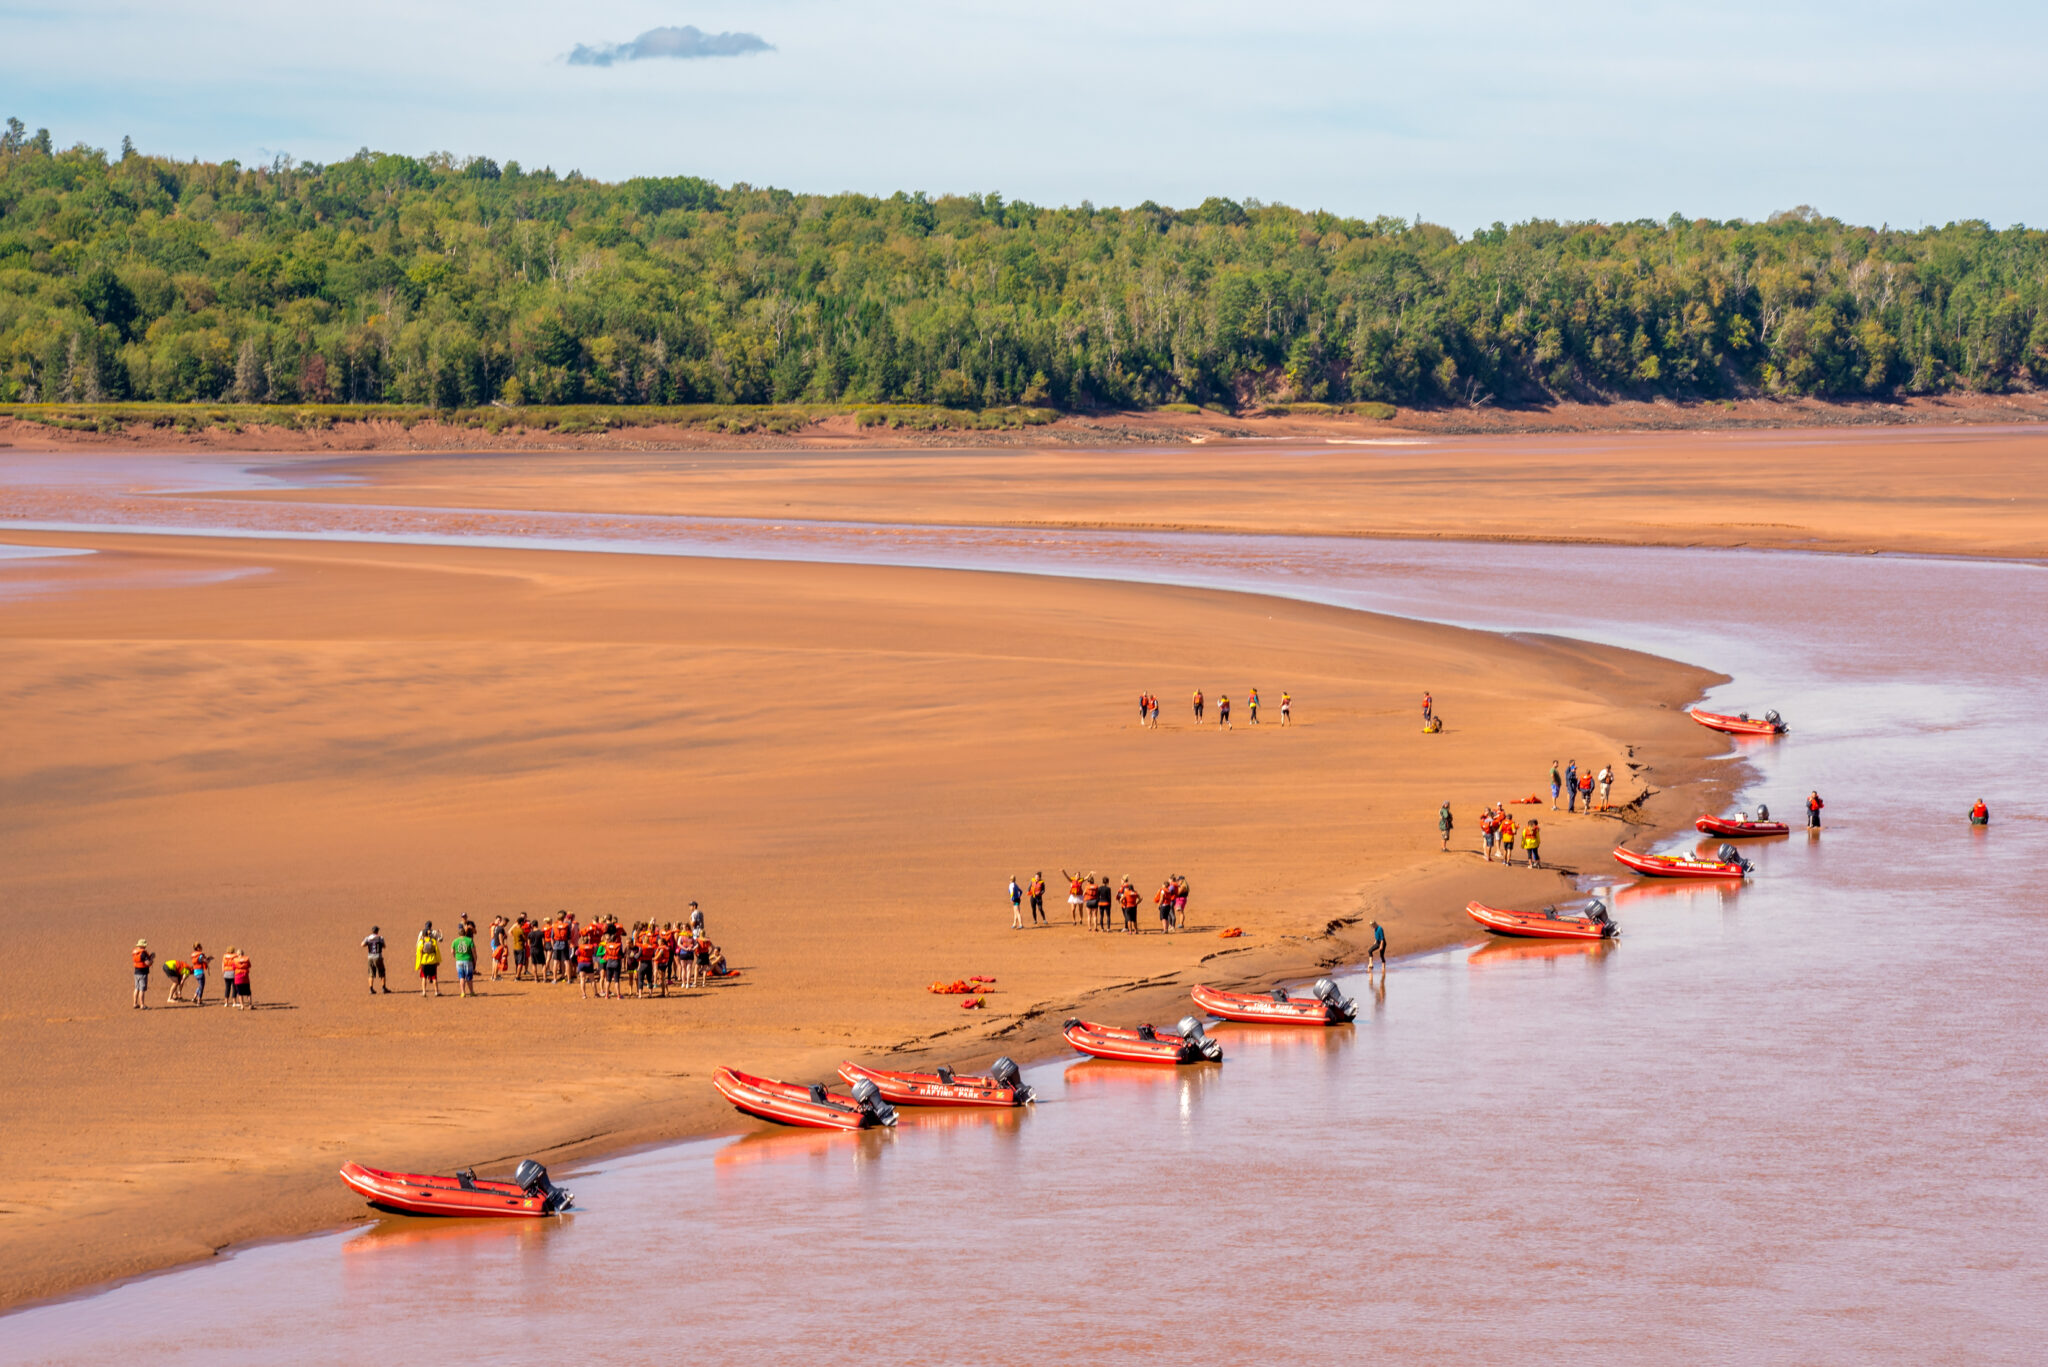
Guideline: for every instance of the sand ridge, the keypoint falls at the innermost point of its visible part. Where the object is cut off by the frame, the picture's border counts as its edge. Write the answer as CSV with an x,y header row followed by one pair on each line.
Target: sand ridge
x,y
276,745
1955,490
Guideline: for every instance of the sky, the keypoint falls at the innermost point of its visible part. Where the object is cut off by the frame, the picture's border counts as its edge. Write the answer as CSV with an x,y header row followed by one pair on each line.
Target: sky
x,y
1460,113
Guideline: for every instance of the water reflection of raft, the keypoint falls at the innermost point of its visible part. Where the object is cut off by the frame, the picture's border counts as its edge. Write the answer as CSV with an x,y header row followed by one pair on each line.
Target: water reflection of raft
x,y
1002,1086
1144,1044
1680,866
1323,1004
529,1195
1740,724
1729,826
791,1103
1540,925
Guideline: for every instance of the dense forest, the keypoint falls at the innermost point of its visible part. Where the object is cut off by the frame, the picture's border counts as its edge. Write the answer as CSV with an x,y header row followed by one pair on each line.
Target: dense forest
x,y
445,282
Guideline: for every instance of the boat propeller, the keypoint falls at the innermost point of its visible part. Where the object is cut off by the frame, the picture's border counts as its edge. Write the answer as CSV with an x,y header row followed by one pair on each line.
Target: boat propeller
x,y
533,1180
1191,1033
1326,992
1004,1073
870,1098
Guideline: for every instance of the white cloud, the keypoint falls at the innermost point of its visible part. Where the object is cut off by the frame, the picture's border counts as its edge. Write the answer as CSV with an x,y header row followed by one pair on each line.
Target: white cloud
x,y
687,41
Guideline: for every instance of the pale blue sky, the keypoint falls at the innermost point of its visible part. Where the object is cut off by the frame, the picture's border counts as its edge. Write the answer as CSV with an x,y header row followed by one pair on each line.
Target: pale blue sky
x,y
1873,111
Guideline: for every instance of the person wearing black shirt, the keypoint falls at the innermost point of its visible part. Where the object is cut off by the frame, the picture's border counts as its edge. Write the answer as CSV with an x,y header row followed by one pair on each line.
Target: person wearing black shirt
x,y
373,945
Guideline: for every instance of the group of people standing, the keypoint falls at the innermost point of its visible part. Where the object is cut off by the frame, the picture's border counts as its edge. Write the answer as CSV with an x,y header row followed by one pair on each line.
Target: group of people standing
x,y
1497,826
1577,786
603,957
1093,902
1148,709
193,970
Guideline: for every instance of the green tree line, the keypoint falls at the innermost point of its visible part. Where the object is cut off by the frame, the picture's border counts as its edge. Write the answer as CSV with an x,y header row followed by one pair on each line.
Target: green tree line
x,y
452,283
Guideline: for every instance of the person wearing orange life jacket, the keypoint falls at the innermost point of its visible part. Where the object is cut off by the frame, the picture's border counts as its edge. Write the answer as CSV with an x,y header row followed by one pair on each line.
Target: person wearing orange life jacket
x,y
1128,898
1037,891
1507,838
199,959
1980,815
1164,897
143,959
1198,707
1813,806
1075,884
235,967
664,959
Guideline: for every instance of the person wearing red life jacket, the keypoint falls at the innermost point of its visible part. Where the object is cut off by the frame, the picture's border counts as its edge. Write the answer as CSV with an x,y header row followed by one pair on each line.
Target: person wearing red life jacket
x,y
1813,806
143,959
1980,815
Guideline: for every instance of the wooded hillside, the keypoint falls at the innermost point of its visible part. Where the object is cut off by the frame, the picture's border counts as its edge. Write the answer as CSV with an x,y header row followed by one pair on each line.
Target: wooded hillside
x,y
434,281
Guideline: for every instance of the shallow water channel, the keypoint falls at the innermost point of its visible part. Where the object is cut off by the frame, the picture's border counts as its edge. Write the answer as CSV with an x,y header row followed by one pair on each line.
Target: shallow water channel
x,y
1798,1121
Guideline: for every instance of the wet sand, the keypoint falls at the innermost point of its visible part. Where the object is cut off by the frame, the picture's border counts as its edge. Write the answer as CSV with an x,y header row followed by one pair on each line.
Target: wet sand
x,y
1947,490
278,745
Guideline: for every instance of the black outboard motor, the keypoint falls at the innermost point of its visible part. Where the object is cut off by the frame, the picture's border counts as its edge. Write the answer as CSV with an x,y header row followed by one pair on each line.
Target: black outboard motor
x,y
533,1180
1774,719
1003,1072
1191,1033
1326,992
871,1101
1728,854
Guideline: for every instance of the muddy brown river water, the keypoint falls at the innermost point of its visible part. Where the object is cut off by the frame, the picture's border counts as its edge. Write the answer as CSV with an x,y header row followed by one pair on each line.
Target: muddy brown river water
x,y
1799,1121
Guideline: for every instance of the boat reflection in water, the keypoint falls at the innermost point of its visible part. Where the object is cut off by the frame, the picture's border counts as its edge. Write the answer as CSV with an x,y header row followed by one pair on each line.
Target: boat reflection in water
x,y
1494,953
1676,895
394,1232
926,1119
1241,1038
794,1145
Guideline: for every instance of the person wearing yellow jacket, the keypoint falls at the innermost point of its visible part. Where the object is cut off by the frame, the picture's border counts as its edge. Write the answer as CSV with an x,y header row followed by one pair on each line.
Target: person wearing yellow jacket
x,y
426,958
1532,843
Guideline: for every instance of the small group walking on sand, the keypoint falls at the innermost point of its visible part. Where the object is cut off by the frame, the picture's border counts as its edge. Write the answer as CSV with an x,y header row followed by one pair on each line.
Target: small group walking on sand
x,y
1497,827
1092,902
1035,890
193,969
1148,709
1578,786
